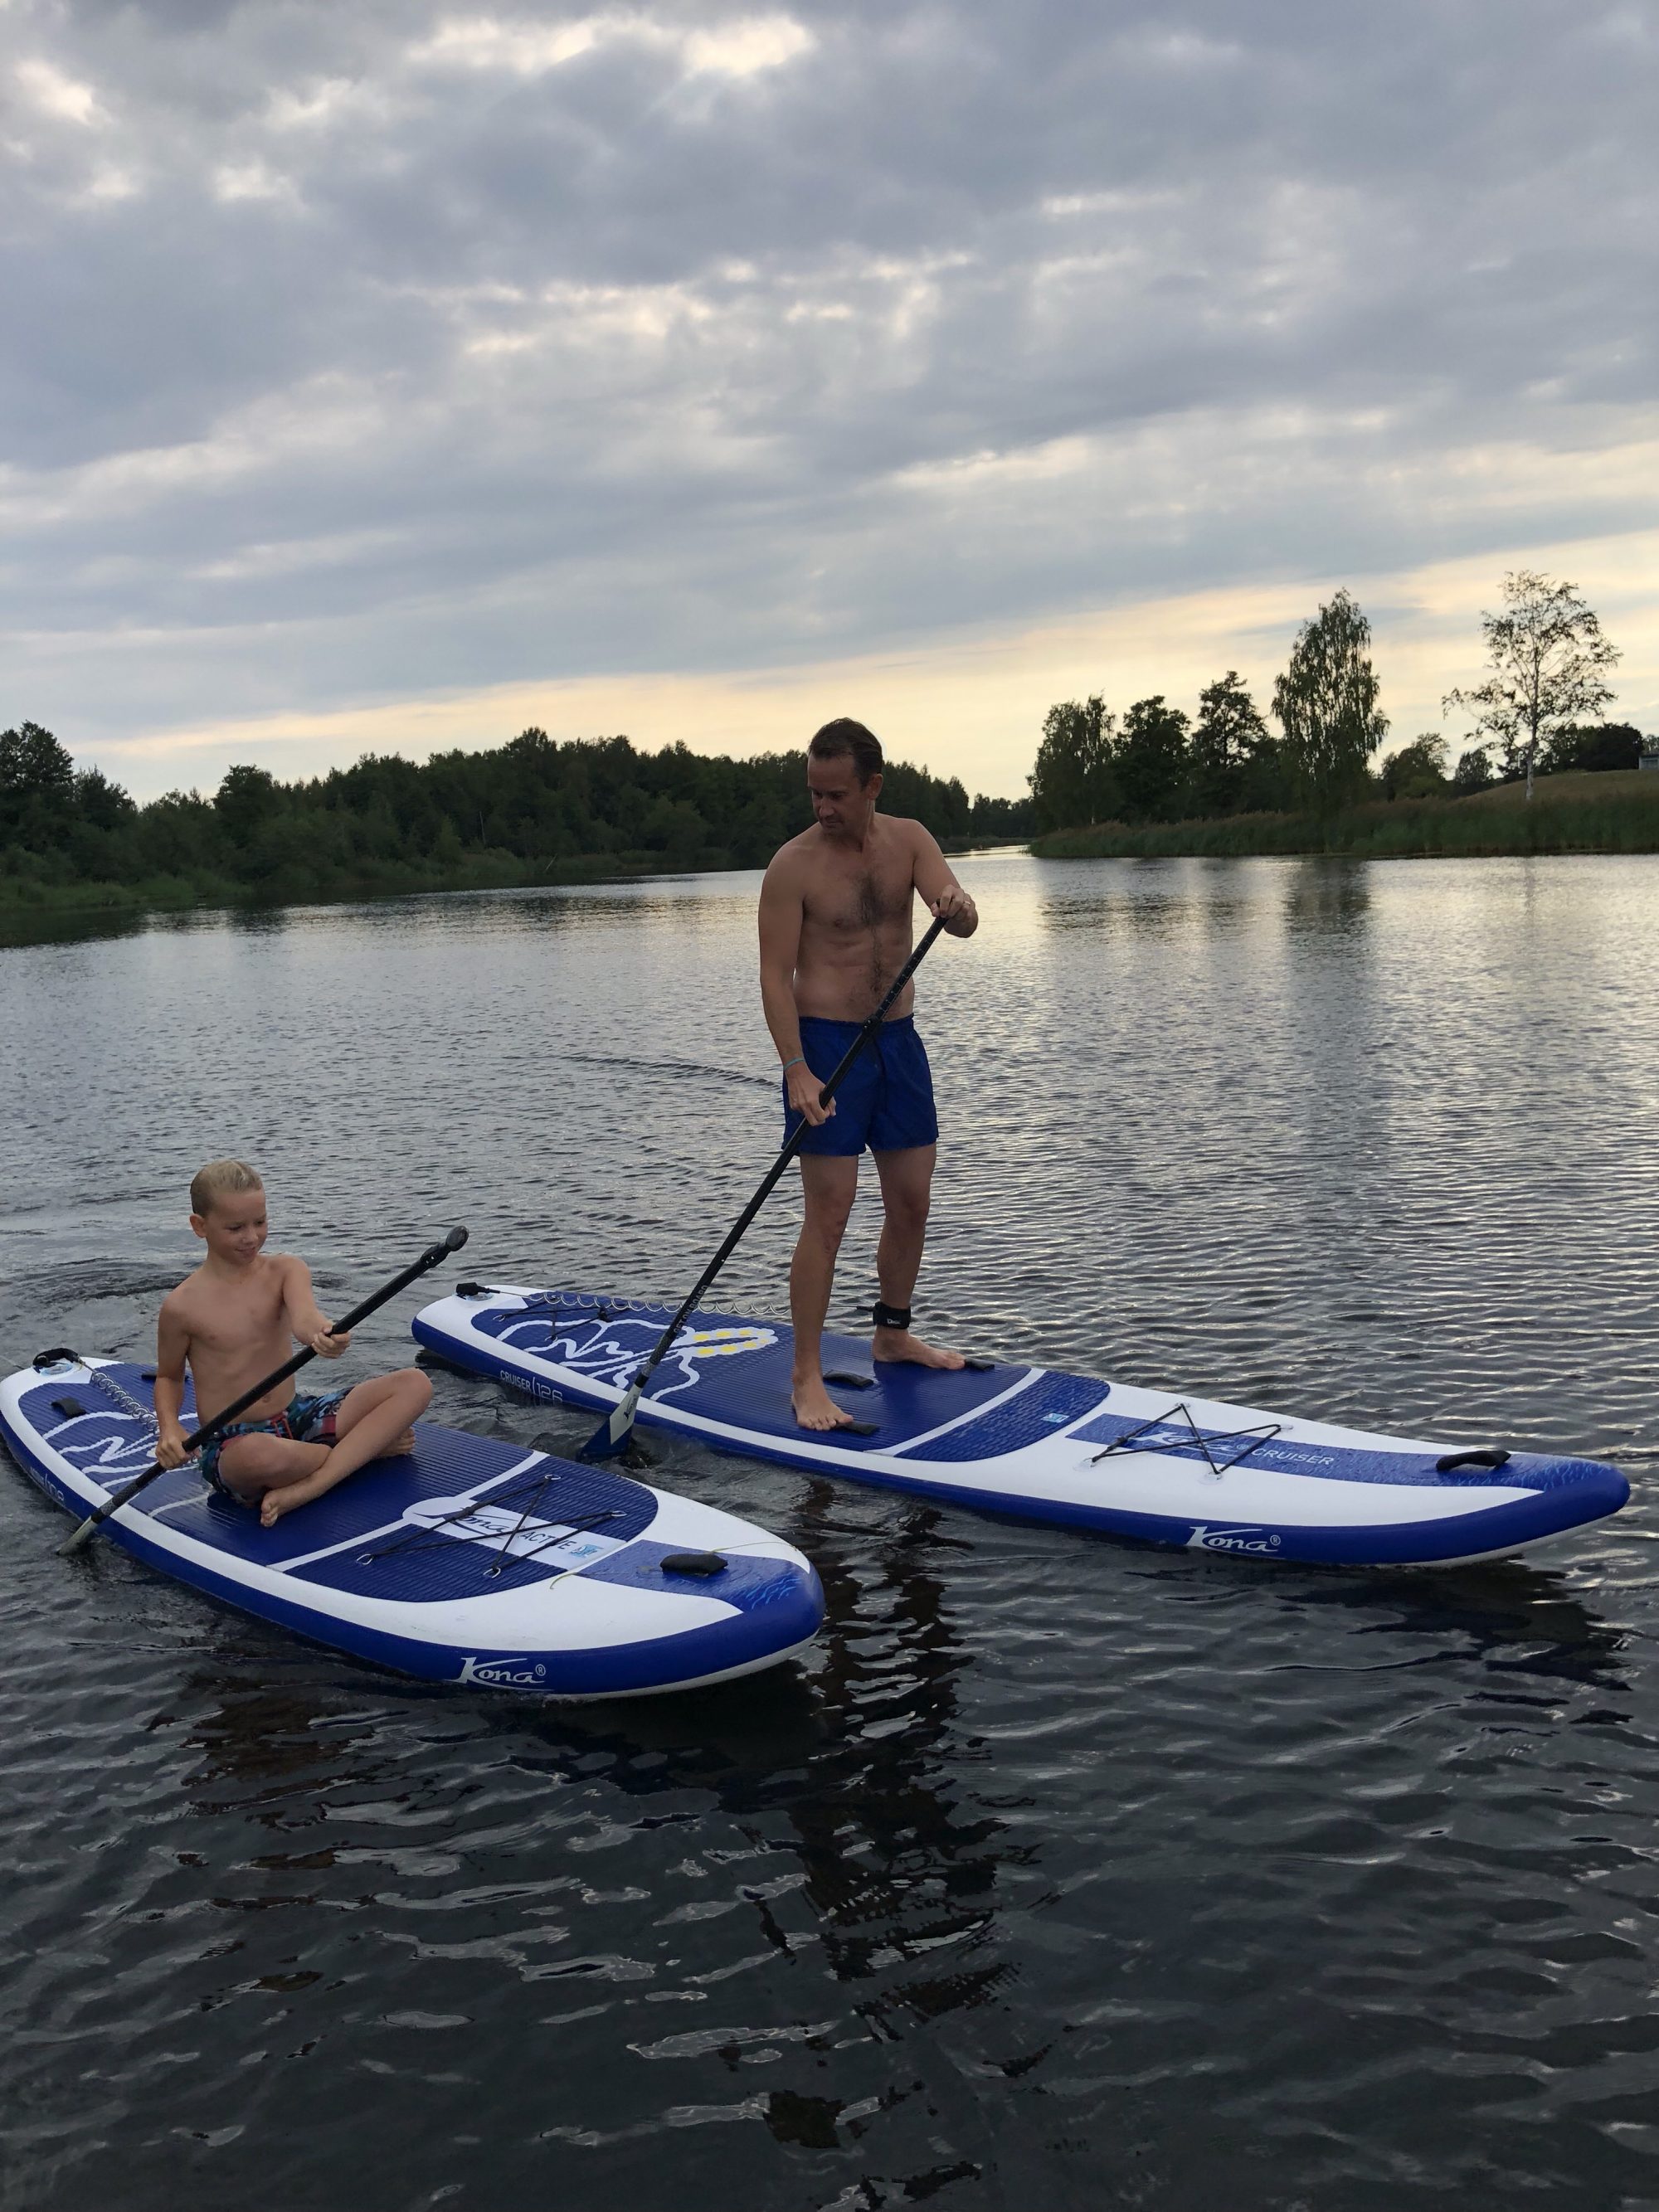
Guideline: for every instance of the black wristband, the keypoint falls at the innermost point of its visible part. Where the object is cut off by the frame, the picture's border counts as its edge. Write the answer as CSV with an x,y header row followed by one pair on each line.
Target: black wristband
x,y
886,1316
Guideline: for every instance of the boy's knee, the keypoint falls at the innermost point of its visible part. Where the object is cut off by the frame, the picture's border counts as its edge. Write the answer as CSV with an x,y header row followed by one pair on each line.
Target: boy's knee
x,y
418,1386
250,1460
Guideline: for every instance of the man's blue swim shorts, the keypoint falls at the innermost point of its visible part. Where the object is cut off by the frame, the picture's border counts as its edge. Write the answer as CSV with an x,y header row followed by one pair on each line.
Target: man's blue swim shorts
x,y
886,1102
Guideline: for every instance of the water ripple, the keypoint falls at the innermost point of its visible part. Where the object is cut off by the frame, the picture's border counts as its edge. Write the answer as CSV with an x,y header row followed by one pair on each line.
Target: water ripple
x,y
1059,1872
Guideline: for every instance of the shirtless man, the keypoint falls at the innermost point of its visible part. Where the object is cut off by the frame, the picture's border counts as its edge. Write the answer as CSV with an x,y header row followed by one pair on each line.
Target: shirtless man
x,y
835,929
236,1319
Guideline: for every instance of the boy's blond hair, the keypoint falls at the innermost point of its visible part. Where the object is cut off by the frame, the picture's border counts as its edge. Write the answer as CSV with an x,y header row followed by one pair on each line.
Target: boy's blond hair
x,y
220,1179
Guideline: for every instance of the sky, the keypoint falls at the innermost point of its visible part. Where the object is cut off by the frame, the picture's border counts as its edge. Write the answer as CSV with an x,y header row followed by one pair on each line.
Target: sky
x,y
386,377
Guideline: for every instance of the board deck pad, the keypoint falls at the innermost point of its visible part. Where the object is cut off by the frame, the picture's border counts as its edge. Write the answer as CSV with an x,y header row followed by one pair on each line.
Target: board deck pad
x,y
409,1555
1015,1438
739,1372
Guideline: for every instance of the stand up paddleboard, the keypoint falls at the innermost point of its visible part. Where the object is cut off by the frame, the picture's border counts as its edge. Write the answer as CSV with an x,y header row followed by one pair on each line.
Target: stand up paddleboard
x,y
1031,1442
469,1560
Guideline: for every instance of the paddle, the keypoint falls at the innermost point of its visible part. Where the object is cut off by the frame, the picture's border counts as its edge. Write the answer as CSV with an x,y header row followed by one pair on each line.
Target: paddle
x,y
617,1426
434,1256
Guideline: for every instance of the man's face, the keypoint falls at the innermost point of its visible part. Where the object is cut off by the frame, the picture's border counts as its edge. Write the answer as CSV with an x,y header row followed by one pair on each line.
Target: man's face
x,y
840,804
235,1228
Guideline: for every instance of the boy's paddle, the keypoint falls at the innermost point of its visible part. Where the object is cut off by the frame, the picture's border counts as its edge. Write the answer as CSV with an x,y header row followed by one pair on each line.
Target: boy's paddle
x,y
613,1432
434,1256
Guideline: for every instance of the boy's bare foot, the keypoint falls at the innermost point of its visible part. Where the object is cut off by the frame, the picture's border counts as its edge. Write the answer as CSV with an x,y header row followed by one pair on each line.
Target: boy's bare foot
x,y
897,1344
400,1446
275,1502
814,1408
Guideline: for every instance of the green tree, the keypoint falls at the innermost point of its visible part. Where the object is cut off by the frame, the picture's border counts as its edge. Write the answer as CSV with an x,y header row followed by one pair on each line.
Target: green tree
x,y
1151,760
1598,746
1000,818
1325,704
37,788
1417,770
1547,653
246,799
1473,772
1229,743
1074,781
103,804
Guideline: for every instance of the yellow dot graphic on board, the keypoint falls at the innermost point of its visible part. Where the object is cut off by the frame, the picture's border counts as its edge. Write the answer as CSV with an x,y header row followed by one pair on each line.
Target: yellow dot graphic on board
x,y
723,1343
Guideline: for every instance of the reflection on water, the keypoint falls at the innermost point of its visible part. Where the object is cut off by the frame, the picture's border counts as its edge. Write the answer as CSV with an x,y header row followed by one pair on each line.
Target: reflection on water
x,y
1059,1872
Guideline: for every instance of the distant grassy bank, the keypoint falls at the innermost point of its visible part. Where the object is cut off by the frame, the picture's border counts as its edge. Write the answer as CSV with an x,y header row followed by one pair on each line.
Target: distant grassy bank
x,y
1576,813
32,909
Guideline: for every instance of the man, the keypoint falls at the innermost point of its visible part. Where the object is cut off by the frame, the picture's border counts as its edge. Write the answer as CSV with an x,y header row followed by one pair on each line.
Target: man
x,y
835,929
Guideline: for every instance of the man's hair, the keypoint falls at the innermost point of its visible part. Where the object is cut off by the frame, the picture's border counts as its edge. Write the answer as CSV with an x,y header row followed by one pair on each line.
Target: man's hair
x,y
220,1179
847,740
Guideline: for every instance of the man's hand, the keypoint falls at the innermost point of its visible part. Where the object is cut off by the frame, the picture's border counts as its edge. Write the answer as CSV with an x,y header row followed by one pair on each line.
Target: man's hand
x,y
170,1446
957,911
803,1088
327,1345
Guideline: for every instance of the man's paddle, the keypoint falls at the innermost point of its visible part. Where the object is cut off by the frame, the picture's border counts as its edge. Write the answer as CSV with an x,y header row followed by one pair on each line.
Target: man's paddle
x,y
613,1432
434,1256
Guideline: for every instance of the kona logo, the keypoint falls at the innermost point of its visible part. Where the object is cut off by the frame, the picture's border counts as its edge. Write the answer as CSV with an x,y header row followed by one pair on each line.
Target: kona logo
x,y
504,1673
1232,1540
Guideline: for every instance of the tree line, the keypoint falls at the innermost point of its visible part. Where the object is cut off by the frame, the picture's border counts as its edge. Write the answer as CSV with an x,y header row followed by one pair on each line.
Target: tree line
x,y
531,810
1536,712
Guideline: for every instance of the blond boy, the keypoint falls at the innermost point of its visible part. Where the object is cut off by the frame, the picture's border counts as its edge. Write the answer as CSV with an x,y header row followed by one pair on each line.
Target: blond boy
x,y
236,1319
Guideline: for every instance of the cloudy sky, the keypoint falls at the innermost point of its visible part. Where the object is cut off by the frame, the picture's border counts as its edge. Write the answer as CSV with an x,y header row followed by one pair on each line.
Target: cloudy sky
x,y
396,375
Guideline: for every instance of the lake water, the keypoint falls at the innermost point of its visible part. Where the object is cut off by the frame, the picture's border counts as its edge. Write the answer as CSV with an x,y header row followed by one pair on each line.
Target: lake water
x,y
1062,1873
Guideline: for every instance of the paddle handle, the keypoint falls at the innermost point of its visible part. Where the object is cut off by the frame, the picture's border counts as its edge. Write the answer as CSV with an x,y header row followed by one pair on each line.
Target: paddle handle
x,y
434,1256
621,1420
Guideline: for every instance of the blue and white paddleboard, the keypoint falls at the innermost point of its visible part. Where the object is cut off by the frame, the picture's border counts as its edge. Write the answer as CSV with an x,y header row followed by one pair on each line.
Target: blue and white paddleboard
x,y
1028,1441
471,1560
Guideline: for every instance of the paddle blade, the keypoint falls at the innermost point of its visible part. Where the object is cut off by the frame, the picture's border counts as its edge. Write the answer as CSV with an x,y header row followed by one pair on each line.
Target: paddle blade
x,y
611,1436
78,1536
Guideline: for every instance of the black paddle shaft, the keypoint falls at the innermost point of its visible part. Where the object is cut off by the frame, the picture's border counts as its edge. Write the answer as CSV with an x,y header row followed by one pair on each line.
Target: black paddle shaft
x,y
769,1180
434,1256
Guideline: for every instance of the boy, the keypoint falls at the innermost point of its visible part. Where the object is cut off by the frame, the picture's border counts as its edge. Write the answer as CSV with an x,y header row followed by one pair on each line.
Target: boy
x,y
234,1320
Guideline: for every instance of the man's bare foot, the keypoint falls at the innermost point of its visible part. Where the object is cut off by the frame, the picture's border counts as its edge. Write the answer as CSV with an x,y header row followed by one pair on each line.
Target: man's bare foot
x,y
897,1344
814,1408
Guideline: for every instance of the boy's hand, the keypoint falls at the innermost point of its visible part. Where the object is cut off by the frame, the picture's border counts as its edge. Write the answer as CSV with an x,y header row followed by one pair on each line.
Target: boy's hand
x,y
327,1345
170,1447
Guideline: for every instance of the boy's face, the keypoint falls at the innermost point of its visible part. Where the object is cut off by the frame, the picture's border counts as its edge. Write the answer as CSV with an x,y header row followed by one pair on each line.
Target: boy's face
x,y
235,1228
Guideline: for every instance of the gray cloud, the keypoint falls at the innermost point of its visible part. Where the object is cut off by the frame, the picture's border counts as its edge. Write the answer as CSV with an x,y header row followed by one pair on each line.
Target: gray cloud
x,y
352,352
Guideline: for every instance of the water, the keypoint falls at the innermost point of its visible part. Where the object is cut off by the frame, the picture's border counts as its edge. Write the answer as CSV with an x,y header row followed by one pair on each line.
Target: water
x,y
1063,1873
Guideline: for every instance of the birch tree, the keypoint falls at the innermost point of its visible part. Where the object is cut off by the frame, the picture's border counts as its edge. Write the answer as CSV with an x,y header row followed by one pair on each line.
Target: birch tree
x,y
1547,653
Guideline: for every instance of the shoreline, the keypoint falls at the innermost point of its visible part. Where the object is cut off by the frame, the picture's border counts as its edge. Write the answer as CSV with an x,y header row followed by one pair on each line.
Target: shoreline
x,y
1580,812
37,913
